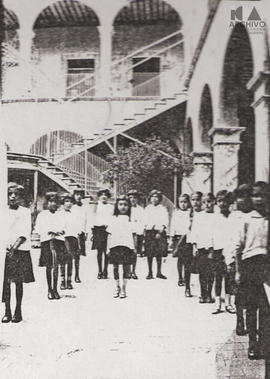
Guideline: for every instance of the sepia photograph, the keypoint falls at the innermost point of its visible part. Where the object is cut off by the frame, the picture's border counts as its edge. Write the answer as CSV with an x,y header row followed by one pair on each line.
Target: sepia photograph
x,y
135,189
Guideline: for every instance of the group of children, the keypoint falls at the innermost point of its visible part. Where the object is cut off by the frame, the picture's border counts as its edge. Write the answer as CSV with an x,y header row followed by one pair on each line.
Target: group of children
x,y
226,238
220,238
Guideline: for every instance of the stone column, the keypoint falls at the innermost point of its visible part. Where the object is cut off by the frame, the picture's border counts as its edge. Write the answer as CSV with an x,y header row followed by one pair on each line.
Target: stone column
x,y
226,144
25,65
260,85
201,177
105,36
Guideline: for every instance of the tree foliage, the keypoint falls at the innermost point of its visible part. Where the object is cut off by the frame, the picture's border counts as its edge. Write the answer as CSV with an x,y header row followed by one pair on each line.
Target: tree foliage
x,y
144,167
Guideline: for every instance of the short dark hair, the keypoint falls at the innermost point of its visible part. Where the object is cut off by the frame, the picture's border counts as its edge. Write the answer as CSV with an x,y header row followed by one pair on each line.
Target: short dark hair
x,y
185,195
228,196
197,193
210,195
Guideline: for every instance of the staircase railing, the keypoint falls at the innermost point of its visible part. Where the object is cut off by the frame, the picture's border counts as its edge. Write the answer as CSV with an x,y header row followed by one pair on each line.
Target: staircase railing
x,y
125,71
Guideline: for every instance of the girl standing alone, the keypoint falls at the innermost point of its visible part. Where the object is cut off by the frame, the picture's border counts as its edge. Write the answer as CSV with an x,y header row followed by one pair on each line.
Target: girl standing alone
x,y
18,263
122,242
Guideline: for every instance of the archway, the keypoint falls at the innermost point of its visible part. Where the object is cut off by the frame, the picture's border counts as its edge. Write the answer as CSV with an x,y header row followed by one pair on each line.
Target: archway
x,y
206,118
67,39
10,56
236,99
139,24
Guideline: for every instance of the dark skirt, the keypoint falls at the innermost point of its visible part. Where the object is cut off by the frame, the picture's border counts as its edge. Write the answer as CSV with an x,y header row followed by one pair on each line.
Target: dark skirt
x,y
121,255
18,268
155,247
82,238
72,246
250,290
203,261
100,237
184,251
218,265
47,258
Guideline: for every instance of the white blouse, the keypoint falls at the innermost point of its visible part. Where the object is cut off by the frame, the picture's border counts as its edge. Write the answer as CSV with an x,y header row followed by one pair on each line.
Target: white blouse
x,y
221,231
80,214
252,236
19,225
180,222
202,229
103,214
156,217
50,222
71,226
120,231
137,217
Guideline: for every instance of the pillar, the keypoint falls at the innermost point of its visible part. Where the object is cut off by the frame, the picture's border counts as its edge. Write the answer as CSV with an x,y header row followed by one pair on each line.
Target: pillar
x,y
260,85
25,66
105,37
226,144
201,177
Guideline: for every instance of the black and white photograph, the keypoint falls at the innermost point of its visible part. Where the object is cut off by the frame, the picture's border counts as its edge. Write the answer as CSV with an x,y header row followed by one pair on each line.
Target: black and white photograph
x,y
135,189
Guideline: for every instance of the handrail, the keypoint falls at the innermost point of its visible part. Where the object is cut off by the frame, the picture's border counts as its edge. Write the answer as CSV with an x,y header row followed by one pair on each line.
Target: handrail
x,y
156,54
146,47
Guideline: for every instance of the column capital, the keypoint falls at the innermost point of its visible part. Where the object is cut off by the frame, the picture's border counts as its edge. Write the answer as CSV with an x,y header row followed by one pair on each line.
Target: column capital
x,y
202,157
260,85
226,135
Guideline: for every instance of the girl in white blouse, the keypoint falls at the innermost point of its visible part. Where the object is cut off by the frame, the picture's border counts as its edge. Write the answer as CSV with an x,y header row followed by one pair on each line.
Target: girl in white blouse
x,y
121,243
18,263
50,226
72,231
156,226
180,226
102,214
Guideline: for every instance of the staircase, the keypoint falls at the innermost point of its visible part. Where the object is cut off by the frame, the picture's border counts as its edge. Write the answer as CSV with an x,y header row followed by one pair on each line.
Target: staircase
x,y
60,176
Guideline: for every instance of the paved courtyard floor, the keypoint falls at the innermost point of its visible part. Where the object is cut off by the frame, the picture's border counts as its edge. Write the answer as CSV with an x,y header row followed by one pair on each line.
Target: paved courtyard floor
x,y
155,333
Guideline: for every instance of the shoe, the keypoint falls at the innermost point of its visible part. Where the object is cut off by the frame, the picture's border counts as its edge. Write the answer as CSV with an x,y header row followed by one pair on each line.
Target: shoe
x,y
161,276
63,285
78,280
56,295
116,292
187,293
253,353
230,309
134,276
17,317
123,294
69,285
51,295
202,300
240,328
217,311
150,276
210,300
100,276
105,275
181,283
7,318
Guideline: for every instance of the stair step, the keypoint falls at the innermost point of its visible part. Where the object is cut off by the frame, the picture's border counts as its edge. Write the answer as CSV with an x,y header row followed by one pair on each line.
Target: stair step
x,y
129,119
150,109
77,144
107,129
160,103
170,98
116,124
139,114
